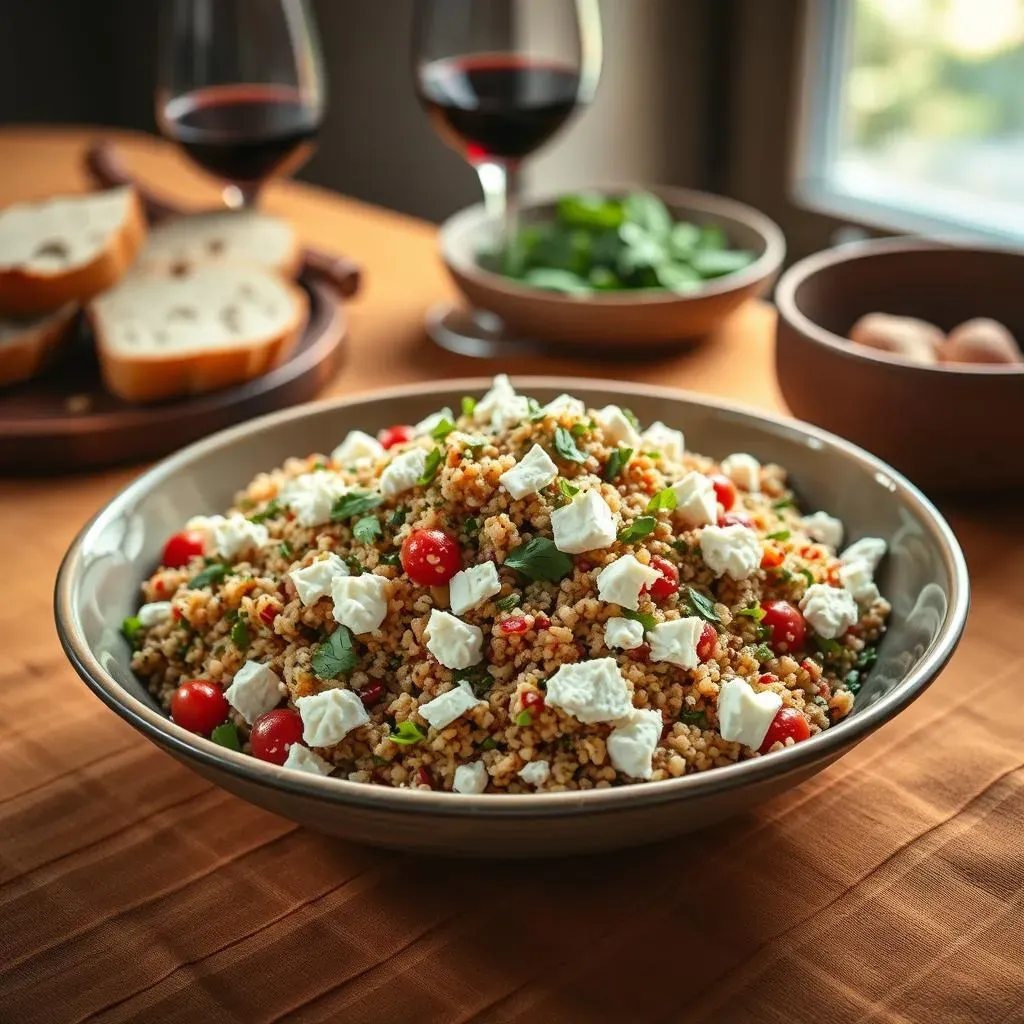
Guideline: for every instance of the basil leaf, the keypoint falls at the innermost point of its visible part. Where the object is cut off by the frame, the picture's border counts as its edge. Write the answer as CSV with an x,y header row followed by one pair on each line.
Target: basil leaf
x,y
430,468
442,430
506,604
211,574
566,446
649,212
763,652
755,612
639,528
779,535
702,605
407,733
617,462
286,549
664,499
354,504
468,406
240,634
539,559
568,489
335,655
226,735
130,629
367,529
645,619
524,718
697,718
272,510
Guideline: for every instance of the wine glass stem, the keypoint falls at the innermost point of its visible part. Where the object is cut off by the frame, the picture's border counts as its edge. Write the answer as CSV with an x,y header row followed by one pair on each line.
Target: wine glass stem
x,y
500,184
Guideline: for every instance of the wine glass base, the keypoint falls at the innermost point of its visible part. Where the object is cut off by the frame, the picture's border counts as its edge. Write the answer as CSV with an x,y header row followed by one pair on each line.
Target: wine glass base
x,y
475,333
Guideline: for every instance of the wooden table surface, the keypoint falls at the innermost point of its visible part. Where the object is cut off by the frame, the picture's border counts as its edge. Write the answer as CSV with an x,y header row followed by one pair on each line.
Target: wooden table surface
x,y
889,888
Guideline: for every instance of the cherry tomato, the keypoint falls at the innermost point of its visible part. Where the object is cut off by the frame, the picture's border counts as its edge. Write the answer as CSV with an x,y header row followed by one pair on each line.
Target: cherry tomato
x,y
371,692
532,700
430,557
786,624
199,706
772,557
663,588
269,613
641,653
182,548
541,622
735,519
707,642
423,777
725,491
515,624
787,722
274,733
390,436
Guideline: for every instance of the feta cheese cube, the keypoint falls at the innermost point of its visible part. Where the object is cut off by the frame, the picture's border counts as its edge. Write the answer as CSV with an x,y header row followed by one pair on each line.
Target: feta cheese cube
x,y
829,611
632,743
402,472
450,705
669,442
625,634
360,602
456,644
823,528
621,582
743,470
302,759
617,427
858,579
743,715
696,501
154,613
584,524
532,472
471,587
501,391
590,691
255,690
470,778
676,641
312,496
564,405
357,448
535,773
229,536
328,717
869,550
509,412
732,551
315,580
433,421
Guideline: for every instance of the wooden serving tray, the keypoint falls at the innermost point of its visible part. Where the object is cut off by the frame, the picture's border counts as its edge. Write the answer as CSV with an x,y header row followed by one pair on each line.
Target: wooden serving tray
x,y
64,421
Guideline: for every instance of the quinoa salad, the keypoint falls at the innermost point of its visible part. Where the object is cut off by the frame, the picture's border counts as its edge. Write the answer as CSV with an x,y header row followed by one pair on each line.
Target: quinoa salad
x,y
511,597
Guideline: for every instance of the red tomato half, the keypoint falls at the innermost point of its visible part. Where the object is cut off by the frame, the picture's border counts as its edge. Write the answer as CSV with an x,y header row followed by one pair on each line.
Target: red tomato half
x,y
274,733
199,706
430,557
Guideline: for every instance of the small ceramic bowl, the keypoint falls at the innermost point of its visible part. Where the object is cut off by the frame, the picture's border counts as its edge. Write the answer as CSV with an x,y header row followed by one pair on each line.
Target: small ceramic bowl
x,y
923,575
949,427
614,319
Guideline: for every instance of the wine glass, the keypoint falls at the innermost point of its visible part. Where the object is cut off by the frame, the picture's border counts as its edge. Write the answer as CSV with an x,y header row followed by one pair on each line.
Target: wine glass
x,y
498,79
240,88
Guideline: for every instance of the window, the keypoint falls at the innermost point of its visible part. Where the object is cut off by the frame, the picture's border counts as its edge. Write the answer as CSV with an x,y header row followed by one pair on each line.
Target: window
x,y
913,115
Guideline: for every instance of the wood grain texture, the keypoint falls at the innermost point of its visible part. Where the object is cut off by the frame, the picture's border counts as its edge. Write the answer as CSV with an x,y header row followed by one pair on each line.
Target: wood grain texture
x,y
890,888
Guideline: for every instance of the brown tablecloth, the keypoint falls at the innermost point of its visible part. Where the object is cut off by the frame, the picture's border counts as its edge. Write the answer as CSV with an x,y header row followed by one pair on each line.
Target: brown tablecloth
x,y
889,888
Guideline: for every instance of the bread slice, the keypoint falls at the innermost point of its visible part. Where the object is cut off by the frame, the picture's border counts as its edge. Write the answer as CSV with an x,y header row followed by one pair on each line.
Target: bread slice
x,y
224,236
162,334
28,346
66,249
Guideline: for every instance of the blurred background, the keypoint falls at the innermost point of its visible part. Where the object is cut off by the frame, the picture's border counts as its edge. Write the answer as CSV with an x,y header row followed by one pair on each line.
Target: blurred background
x,y
832,116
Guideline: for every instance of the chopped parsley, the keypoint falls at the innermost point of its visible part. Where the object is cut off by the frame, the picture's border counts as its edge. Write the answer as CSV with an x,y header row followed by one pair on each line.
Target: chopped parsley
x,y
442,430
807,575
226,735
210,575
272,509
693,717
479,679
506,604
430,467
681,546
664,499
353,504
826,645
391,558
240,634
755,612
579,429
468,405
539,559
617,462
488,743
702,605
355,565
367,529
763,652
639,528
652,454
524,718
471,526
130,628
646,620
286,549
783,503
335,655
867,657
566,446
853,681
407,733
779,535
398,517
567,489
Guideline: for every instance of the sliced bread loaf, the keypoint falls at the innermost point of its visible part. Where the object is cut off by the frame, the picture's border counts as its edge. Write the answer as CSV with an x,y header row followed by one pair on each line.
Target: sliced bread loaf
x,y
27,346
66,249
224,236
161,334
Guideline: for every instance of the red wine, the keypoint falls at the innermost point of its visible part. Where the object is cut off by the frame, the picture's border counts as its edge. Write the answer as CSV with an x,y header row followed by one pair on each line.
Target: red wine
x,y
498,105
243,133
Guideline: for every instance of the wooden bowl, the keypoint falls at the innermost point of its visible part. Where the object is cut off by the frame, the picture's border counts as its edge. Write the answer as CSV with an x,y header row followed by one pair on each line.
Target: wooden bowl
x,y
614,319
948,427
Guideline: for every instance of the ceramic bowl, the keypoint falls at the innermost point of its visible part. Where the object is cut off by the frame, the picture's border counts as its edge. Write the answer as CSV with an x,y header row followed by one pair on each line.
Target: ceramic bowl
x,y
947,427
617,319
924,576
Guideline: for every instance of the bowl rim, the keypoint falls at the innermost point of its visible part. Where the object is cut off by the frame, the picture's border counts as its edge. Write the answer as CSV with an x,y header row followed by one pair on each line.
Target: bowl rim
x,y
802,270
342,792
473,218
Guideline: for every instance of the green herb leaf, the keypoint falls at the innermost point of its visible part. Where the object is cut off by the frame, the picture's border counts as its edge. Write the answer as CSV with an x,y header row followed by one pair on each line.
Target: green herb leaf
x,y
468,405
471,526
566,446
479,679
442,430
645,619
567,489
617,462
807,575
826,645
782,503
652,454
240,634
286,549
693,717
506,604
226,735
755,612
853,681
579,429
210,575
702,605
681,546
718,263
407,733
398,517
553,279
664,499
367,529
335,655
763,652
430,467
631,416
649,212
539,559
488,743
639,528
130,628
272,510
779,535
867,658
392,558
357,567
524,718
353,504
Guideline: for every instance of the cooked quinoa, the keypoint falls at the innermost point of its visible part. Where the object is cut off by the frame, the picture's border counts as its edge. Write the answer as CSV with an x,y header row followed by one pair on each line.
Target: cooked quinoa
x,y
331,578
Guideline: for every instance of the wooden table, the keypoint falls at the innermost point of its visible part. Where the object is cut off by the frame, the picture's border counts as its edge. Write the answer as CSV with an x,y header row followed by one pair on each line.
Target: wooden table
x,y
890,888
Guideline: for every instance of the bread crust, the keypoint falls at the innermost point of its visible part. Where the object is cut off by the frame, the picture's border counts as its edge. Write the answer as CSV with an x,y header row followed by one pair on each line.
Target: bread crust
x,y
29,293
27,355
